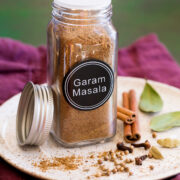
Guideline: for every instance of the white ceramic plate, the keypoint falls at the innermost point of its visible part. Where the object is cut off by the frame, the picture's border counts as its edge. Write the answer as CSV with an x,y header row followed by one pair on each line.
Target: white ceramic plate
x,y
22,158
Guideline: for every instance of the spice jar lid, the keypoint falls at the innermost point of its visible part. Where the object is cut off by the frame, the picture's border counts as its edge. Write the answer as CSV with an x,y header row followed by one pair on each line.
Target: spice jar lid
x,y
34,115
83,4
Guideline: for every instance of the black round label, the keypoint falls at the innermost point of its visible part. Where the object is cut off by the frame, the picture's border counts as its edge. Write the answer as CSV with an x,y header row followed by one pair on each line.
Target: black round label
x,y
89,85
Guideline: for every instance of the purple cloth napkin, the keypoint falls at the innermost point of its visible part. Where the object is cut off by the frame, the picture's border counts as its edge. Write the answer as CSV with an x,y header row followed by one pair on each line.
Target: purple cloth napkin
x,y
148,58
20,63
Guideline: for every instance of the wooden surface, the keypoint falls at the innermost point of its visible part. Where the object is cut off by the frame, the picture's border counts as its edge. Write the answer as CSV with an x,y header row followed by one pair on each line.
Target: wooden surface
x,y
27,21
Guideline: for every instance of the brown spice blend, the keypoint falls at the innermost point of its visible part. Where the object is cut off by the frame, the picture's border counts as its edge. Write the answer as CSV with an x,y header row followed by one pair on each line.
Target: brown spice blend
x,y
70,45
64,163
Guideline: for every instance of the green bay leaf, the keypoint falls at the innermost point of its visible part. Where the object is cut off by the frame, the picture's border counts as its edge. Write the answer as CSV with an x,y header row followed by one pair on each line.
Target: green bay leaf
x,y
150,100
165,121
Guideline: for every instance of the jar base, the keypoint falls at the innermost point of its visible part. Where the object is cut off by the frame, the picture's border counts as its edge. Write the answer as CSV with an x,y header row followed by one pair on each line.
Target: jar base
x,y
82,143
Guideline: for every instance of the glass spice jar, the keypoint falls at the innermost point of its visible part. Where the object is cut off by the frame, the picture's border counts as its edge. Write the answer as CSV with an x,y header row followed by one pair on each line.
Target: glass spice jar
x,y
78,106
82,71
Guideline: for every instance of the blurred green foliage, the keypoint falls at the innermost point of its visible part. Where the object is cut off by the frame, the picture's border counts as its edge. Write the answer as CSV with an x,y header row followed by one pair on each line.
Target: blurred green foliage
x,y
27,21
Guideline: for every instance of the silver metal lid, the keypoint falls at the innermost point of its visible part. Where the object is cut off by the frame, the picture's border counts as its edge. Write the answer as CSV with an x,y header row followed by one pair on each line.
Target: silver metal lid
x,y
34,115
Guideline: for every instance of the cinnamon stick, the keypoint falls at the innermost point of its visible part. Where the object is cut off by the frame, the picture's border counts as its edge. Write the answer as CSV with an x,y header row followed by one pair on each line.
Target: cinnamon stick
x,y
126,100
131,132
127,127
125,118
133,107
126,111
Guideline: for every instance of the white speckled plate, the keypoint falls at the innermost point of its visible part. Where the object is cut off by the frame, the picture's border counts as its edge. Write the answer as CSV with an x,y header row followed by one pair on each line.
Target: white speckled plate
x,y
22,158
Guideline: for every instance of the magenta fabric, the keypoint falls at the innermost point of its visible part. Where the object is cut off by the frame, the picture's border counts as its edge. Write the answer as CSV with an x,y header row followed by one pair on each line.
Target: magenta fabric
x,y
148,58
20,63
176,178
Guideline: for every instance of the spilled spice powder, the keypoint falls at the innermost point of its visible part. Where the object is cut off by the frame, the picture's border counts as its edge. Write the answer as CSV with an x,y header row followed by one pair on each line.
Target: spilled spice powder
x,y
64,163
97,163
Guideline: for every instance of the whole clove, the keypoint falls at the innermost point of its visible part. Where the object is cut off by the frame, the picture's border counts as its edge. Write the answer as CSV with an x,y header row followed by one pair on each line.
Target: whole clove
x,y
139,160
122,147
143,157
146,145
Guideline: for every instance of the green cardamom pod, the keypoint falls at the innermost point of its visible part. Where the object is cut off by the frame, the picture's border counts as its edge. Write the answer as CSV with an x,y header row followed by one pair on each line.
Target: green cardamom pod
x,y
156,153
168,142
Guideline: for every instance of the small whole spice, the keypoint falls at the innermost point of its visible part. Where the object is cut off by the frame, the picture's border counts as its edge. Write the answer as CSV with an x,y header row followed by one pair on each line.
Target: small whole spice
x,y
113,158
114,171
112,155
139,160
122,164
121,169
169,143
103,168
118,155
131,160
100,161
146,145
156,153
150,156
108,173
128,161
122,153
126,169
124,148
106,158
121,157
143,157
154,135
92,156
97,175
126,152
151,167
118,169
